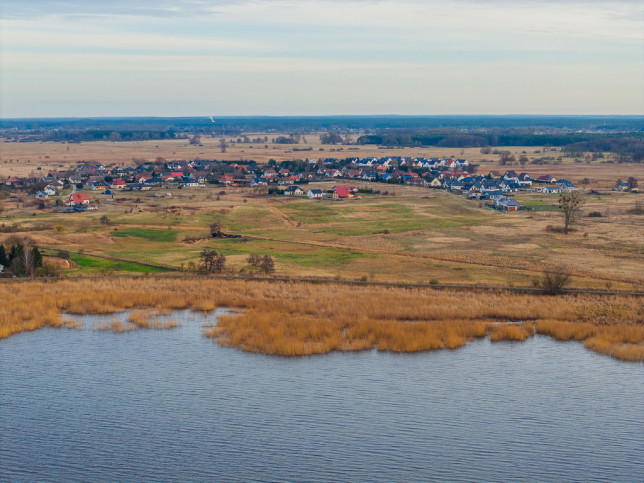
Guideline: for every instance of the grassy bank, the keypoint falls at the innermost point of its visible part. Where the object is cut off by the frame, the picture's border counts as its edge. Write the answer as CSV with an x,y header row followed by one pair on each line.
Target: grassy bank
x,y
294,319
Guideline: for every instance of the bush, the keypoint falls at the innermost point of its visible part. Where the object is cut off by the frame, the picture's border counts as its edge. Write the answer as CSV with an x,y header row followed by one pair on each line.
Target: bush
x,y
555,280
595,214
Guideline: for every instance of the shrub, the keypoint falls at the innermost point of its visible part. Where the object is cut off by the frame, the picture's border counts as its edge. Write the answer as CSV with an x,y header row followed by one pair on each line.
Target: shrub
x,y
555,280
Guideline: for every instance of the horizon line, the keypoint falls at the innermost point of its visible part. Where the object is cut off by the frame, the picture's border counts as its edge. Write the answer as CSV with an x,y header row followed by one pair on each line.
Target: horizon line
x,y
256,116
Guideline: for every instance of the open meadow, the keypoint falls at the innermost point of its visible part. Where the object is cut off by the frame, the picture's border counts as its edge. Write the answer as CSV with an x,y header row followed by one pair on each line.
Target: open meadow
x,y
402,234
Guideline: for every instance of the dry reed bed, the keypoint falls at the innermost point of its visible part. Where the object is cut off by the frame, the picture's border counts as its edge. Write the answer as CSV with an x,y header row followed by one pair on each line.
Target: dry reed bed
x,y
294,319
139,319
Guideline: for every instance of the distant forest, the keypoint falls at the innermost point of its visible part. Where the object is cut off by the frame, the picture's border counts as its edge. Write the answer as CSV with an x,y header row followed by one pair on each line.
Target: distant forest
x,y
286,124
574,134
631,144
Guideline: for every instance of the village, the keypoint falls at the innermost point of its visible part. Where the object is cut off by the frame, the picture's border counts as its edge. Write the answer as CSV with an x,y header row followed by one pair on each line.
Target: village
x,y
77,189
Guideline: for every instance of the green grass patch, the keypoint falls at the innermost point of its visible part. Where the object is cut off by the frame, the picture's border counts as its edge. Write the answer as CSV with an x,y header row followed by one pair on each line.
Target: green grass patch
x,y
89,265
326,257
242,219
316,212
290,253
150,234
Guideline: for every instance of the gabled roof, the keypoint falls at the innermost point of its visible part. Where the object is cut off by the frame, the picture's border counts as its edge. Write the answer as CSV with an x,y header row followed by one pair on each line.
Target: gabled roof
x,y
342,191
79,197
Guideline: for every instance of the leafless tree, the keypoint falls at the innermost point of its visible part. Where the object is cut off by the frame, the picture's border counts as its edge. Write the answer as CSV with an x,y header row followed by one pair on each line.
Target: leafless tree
x,y
211,261
207,260
506,157
215,229
219,263
254,260
570,204
631,182
27,257
267,265
555,280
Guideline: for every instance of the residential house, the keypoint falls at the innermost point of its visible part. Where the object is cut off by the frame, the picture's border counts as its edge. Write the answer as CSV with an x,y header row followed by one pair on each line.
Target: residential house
x,y
313,194
342,192
550,189
506,204
98,185
77,199
293,191
525,179
270,174
49,190
226,180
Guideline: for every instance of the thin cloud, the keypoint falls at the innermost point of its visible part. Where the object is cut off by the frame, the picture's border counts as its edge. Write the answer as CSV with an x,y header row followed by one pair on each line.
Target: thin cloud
x,y
269,56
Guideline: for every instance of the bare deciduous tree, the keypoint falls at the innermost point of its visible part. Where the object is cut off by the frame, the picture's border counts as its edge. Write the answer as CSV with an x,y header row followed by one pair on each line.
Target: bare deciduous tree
x,y
211,261
254,260
631,182
506,157
27,257
555,280
219,263
215,229
267,265
570,204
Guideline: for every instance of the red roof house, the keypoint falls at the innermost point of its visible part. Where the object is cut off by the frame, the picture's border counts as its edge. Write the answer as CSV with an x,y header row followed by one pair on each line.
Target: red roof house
x,y
77,199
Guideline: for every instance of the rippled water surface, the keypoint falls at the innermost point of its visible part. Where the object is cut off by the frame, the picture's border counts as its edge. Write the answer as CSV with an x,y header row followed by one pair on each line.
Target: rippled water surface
x,y
171,405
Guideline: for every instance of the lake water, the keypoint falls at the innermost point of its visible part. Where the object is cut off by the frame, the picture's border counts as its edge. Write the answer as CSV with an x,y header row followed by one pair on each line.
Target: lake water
x,y
172,405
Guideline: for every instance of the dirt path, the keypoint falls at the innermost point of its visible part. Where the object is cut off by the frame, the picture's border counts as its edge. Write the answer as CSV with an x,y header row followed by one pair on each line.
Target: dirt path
x,y
271,206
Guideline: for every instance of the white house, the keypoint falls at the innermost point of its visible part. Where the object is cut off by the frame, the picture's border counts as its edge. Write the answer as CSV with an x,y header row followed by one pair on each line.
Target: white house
x,y
293,191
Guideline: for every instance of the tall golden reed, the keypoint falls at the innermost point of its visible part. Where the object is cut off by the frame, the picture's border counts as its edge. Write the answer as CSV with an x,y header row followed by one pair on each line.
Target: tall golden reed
x,y
295,319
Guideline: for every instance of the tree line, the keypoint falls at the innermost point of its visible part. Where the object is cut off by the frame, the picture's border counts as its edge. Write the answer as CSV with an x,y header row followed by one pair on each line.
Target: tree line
x,y
214,262
22,258
105,135
630,144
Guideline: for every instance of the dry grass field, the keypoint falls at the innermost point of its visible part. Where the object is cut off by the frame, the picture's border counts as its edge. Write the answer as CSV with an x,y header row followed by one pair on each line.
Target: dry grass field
x,y
21,159
295,319
410,235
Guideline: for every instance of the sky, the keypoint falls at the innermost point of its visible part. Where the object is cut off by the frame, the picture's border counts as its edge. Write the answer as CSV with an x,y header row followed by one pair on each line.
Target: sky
x,y
321,57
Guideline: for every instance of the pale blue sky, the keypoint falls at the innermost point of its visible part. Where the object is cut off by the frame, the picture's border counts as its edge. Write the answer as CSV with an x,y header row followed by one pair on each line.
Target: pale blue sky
x,y
300,57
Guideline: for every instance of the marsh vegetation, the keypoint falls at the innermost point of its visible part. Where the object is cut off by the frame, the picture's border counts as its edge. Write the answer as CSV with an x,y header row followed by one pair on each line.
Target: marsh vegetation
x,y
296,319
